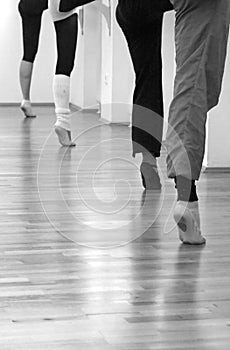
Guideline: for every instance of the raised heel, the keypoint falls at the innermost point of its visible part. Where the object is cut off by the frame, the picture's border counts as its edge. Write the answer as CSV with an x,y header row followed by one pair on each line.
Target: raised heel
x,y
64,137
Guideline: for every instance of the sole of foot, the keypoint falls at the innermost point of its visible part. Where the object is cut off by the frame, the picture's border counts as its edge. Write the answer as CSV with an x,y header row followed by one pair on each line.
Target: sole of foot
x,y
64,137
188,227
150,177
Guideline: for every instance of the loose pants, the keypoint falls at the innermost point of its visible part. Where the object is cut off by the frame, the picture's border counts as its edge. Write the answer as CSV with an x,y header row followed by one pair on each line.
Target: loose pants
x,y
201,34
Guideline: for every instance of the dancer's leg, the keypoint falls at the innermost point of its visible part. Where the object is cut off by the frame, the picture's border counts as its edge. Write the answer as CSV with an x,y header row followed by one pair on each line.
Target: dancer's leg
x,y
25,76
66,35
141,22
31,24
201,41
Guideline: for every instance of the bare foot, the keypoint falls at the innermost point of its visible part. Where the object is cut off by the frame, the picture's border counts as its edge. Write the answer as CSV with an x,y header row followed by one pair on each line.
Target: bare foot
x,y
64,137
186,215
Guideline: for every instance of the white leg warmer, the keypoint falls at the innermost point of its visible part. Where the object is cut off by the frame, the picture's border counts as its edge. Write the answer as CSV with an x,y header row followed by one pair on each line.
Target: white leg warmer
x,y
61,87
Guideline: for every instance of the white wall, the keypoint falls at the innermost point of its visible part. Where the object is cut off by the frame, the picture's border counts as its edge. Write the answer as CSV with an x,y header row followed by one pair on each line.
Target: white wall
x,y
218,126
168,57
77,78
9,52
84,80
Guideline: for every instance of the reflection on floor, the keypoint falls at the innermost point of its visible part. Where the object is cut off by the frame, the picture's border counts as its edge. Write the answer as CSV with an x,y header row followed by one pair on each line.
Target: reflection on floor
x,y
90,261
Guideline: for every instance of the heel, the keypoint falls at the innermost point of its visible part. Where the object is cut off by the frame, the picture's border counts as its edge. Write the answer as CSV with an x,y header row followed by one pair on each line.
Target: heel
x,y
27,111
188,227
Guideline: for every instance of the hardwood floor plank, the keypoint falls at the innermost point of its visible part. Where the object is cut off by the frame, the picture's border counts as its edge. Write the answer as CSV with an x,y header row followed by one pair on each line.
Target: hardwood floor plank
x,y
89,262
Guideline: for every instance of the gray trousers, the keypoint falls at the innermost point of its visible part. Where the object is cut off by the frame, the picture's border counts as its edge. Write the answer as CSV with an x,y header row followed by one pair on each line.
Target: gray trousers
x,y
201,35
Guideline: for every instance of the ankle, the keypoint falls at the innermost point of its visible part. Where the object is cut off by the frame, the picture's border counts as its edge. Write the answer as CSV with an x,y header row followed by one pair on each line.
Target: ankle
x,y
26,101
186,189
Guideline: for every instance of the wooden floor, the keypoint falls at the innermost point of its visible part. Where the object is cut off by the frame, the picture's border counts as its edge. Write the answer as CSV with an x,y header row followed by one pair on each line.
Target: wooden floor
x,y
91,262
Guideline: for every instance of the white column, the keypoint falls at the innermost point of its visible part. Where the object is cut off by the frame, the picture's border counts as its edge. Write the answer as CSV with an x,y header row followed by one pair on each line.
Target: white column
x,y
84,82
117,77
106,85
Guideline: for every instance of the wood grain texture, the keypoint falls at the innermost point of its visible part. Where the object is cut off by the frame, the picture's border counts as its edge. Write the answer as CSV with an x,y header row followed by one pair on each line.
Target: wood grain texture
x,y
88,260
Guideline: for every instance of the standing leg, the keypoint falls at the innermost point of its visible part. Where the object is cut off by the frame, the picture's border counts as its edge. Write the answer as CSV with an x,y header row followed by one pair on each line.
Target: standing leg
x,y
25,76
201,40
66,34
141,23
66,37
31,25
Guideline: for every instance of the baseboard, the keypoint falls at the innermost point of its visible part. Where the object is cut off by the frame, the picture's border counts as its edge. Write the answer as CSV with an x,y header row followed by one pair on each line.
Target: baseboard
x,y
89,110
84,110
35,104
221,170
49,104
74,107
115,123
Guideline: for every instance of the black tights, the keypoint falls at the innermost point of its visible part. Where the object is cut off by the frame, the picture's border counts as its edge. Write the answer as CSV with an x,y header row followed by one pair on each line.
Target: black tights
x,y
31,13
66,35
141,23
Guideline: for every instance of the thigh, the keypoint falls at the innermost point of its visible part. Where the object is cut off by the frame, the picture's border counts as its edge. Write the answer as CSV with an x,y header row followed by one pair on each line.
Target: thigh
x,y
66,37
31,26
137,14
145,48
141,23
201,33
197,23
32,7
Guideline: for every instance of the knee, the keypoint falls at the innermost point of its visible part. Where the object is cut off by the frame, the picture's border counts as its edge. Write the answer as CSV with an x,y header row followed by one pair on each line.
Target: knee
x,y
64,69
29,55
